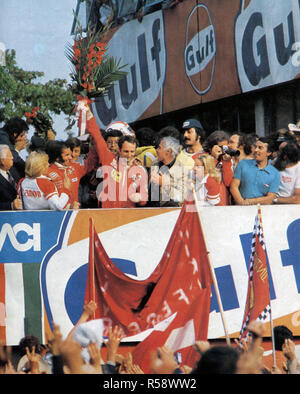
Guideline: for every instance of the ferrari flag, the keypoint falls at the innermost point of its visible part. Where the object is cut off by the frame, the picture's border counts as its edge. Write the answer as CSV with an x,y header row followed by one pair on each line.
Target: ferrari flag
x,y
258,305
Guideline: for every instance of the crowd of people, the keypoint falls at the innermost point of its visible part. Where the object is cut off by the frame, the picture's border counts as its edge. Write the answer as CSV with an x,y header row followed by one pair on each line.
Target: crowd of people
x,y
68,356
119,167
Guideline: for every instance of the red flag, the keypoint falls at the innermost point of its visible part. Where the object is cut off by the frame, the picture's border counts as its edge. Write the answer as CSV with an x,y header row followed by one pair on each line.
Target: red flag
x,y
186,327
179,279
258,305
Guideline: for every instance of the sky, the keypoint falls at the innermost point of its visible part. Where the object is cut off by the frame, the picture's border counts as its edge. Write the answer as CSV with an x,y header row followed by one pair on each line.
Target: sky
x,y
38,30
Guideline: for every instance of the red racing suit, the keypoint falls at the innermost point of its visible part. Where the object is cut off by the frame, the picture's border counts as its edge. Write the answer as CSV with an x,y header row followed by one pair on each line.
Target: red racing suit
x,y
75,171
120,181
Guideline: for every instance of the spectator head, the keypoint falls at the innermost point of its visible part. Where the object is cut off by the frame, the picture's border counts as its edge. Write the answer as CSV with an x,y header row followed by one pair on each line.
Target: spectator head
x,y
218,360
112,133
59,152
283,135
281,333
15,127
214,142
145,136
218,136
168,149
37,143
265,147
288,153
213,148
234,141
6,158
75,145
271,146
112,138
127,147
30,341
205,164
193,130
36,164
247,143
168,131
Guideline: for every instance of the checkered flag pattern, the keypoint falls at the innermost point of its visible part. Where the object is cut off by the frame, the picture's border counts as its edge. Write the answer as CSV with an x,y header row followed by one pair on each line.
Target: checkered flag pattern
x,y
257,232
266,313
258,306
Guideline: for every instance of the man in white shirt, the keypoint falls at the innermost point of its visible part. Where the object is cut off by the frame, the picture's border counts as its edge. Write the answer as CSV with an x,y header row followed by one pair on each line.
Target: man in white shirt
x,y
287,163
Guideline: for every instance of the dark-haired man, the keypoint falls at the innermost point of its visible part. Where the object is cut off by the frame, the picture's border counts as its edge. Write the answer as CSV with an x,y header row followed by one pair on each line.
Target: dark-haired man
x,y
193,137
112,140
256,181
14,135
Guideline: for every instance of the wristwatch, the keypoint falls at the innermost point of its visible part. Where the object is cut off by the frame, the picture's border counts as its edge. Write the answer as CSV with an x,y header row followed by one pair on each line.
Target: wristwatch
x,y
275,201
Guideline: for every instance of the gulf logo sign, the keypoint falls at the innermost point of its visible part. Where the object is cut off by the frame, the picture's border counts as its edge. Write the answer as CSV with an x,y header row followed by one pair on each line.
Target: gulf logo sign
x,y
200,49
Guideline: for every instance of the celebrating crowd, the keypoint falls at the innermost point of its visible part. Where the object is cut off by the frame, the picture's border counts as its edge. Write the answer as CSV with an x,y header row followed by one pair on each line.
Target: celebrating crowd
x,y
122,168
68,356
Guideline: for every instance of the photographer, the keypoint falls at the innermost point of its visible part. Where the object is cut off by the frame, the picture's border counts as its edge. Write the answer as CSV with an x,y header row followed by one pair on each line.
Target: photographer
x,y
214,145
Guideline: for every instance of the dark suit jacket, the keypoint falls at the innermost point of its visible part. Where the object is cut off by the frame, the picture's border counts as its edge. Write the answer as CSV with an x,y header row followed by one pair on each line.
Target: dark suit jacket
x,y
7,191
19,163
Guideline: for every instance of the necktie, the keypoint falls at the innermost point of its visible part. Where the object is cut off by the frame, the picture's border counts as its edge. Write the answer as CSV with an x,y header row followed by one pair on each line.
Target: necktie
x,y
11,179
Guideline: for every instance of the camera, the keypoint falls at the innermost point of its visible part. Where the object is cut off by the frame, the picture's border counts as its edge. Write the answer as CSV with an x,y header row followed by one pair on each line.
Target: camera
x,y
229,151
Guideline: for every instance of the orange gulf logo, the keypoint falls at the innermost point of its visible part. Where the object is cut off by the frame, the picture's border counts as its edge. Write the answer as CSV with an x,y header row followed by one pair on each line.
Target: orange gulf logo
x,y
200,49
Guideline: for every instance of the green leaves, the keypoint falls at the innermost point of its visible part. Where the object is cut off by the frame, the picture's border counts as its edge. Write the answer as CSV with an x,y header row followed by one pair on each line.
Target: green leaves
x,y
108,72
20,92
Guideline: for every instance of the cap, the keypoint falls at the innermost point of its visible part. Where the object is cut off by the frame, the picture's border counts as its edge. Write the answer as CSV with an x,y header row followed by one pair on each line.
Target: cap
x,y
122,126
192,123
294,128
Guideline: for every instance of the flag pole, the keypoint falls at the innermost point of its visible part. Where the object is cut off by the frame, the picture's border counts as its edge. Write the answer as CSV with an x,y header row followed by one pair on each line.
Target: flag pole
x,y
215,283
272,335
271,318
92,261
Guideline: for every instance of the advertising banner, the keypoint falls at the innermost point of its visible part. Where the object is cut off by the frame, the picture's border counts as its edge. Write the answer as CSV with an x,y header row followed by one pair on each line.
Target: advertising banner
x,y
44,262
198,52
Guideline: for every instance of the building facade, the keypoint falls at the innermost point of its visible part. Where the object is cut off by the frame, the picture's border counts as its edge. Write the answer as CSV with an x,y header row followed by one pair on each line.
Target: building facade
x,y
232,64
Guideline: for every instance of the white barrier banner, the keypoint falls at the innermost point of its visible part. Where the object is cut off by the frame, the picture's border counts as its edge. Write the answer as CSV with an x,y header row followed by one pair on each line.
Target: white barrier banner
x,y
44,258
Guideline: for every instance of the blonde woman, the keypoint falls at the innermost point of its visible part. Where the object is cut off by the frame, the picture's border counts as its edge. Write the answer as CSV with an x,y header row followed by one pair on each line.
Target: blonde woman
x,y
207,180
37,191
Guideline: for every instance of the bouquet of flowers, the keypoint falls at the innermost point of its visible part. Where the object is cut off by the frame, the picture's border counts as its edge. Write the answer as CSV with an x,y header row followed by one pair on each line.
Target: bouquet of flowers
x,y
93,70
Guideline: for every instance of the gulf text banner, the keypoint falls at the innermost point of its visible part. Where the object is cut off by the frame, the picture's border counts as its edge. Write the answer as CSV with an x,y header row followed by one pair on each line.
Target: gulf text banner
x,y
198,52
